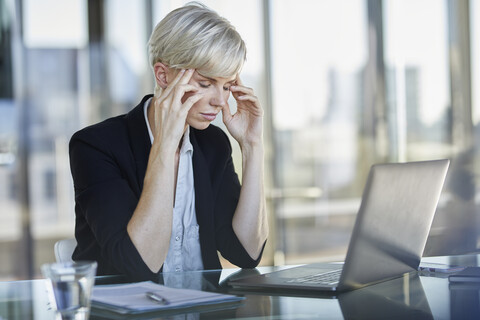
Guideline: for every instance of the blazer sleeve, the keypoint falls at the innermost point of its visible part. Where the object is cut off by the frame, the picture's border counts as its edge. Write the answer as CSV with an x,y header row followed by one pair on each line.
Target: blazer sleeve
x,y
105,198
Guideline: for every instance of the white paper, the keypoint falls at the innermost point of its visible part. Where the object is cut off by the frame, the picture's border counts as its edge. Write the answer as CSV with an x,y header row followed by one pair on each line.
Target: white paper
x,y
132,298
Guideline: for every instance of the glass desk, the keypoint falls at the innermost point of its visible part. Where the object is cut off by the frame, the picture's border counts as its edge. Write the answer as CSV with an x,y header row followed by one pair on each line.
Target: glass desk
x,y
412,296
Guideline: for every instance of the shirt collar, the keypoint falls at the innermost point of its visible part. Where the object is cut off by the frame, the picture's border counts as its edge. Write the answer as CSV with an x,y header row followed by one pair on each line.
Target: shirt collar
x,y
186,144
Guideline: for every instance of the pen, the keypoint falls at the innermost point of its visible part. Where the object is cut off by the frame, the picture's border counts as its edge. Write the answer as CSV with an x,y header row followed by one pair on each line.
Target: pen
x,y
156,297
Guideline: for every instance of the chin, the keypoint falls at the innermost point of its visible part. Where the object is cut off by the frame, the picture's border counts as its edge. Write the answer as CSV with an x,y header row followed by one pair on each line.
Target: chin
x,y
200,126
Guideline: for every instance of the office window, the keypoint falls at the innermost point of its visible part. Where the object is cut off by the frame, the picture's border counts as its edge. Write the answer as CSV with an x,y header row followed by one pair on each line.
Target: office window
x,y
44,27
319,55
475,54
344,84
418,89
10,209
127,60
428,97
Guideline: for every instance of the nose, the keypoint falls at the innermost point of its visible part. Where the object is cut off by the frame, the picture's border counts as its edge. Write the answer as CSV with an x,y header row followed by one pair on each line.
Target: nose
x,y
219,99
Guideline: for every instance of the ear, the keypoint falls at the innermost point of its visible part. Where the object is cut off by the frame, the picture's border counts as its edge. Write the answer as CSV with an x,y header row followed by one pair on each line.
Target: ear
x,y
161,70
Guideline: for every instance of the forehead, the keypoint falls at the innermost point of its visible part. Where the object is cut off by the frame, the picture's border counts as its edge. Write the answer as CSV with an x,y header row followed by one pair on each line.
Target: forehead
x,y
215,79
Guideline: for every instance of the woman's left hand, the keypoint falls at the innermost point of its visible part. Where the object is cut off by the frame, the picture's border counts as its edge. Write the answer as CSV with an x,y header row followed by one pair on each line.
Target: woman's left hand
x,y
246,125
249,222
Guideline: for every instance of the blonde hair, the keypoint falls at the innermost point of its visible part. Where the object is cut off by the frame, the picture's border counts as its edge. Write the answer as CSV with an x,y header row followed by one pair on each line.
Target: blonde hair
x,y
196,37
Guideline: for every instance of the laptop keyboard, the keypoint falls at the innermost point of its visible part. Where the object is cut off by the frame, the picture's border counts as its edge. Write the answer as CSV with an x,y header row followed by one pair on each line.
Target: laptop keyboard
x,y
325,278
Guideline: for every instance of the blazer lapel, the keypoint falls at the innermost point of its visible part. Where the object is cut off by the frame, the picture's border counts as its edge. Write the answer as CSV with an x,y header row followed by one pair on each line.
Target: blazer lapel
x,y
139,140
204,205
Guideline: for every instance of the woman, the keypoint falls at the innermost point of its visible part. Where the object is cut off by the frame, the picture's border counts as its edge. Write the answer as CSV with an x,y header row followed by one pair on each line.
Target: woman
x,y
156,189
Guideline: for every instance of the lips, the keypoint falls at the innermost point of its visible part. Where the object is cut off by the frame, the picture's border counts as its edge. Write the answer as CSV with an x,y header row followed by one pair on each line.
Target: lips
x,y
209,116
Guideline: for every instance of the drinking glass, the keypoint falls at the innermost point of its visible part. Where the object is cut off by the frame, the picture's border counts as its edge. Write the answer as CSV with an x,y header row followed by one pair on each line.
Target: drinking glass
x,y
70,287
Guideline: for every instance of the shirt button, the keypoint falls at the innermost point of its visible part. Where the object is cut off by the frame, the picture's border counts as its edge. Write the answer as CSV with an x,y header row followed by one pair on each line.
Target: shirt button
x,y
177,238
177,269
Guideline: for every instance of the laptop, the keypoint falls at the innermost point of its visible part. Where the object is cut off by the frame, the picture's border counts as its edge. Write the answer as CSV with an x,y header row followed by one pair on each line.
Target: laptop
x,y
390,232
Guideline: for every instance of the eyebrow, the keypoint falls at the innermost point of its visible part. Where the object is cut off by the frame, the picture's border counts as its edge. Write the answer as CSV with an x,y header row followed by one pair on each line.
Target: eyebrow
x,y
214,80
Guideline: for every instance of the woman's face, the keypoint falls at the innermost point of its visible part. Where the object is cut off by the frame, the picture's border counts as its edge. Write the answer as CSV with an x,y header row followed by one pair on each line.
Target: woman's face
x,y
216,92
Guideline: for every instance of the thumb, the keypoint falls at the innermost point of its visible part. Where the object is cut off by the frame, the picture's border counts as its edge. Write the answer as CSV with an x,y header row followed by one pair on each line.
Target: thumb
x,y
226,113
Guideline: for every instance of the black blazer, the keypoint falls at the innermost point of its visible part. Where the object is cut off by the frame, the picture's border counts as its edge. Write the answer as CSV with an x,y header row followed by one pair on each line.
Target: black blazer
x,y
108,162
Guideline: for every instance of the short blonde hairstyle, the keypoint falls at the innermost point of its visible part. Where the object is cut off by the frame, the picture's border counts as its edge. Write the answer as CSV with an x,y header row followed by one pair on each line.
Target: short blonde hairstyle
x,y
196,37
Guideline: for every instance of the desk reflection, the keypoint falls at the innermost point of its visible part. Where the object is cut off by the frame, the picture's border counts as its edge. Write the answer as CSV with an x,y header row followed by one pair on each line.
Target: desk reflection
x,y
409,297
253,306
464,301
208,280
401,298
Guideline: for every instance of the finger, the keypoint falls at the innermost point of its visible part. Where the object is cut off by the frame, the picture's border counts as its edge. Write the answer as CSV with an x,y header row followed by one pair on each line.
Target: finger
x,y
241,97
252,104
241,90
240,87
184,88
181,90
187,76
174,82
249,97
173,100
181,82
226,113
187,105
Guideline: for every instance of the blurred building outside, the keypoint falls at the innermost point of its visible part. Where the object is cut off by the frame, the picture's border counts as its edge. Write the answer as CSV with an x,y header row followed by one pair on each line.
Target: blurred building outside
x,y
342,89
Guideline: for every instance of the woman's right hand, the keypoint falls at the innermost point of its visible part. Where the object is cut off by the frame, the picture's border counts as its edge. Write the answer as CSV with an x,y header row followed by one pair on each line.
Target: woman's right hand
x,y
171,107
150,227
